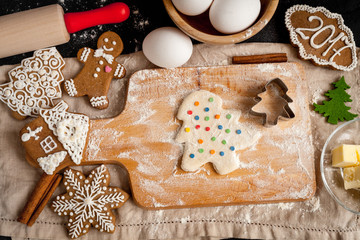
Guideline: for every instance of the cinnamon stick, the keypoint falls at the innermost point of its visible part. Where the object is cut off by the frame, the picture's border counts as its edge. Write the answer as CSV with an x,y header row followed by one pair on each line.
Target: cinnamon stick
x,y
45,199
266,58
36,197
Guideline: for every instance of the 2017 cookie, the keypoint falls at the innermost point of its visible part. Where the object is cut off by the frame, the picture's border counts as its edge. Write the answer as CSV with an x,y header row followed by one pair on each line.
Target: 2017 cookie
x,y
55,138
321,36
211,133
34,84
89,201
100,68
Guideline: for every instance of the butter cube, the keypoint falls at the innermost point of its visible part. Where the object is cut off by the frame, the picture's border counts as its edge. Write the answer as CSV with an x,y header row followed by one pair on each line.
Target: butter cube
x,y
346,156
352,177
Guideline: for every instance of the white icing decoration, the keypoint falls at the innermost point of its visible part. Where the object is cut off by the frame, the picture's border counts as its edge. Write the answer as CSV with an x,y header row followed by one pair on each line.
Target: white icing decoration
x,y
27,85
106,39
88,203
222,164
71,129
85,54
51,162
101,62
70,87
114,43
108,49
26,136
95,75
97,69
48,144
119,71
348,40
98,101
100,53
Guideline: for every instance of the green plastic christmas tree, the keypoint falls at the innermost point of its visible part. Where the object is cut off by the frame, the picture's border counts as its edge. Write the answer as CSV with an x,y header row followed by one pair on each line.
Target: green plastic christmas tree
x,y
335,109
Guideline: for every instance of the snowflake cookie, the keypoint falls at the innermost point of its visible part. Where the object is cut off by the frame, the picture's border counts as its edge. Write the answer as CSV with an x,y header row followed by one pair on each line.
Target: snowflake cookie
x,y
321,36
34,84
89,201
211,133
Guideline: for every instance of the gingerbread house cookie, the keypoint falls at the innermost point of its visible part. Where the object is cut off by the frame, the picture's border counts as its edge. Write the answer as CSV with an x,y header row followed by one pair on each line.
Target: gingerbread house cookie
x,y
321,36
34,84
99,69
55,138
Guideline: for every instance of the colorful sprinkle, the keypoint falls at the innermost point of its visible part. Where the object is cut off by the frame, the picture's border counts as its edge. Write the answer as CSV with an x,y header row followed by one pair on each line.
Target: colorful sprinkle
x,y
189,112
232,148
211,99
207,118
196,103
192,155
223,142
206,109
220,127
227,130
197,126
187,129
217,116
207,129
201,150
212,151
213,139
238,131
200,141
222,153
197,117
228,116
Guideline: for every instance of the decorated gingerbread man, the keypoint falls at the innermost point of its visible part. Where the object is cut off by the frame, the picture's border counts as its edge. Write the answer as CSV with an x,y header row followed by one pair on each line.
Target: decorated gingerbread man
x,y
99,69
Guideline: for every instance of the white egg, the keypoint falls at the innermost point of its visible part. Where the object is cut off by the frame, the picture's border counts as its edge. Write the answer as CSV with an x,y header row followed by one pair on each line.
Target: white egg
x,y
192,7
167,47
231,16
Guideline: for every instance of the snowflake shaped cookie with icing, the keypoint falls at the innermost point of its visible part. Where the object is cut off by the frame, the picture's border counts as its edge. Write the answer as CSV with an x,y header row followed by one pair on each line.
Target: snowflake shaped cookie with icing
x,y
89,201
211,133
34,84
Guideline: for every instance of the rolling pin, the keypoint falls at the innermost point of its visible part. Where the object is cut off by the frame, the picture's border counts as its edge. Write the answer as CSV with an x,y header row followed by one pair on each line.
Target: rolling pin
x,y
49,26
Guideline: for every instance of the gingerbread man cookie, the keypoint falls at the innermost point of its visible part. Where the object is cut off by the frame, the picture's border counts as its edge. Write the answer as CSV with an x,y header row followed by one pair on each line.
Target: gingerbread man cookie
x,y
89,201
321,36
100,68
34,84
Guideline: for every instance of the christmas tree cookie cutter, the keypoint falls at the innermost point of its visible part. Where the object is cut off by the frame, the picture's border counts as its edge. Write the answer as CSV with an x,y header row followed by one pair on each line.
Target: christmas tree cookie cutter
x,y
273,103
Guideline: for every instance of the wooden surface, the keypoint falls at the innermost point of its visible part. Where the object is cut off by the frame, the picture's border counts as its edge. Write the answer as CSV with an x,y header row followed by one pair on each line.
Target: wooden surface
x,y
200,28
279,168
33,29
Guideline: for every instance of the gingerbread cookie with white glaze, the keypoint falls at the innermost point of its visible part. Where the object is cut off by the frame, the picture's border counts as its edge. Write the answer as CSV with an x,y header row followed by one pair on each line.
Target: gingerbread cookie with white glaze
x,y
99,69
34,84
57,138
89,201
321,37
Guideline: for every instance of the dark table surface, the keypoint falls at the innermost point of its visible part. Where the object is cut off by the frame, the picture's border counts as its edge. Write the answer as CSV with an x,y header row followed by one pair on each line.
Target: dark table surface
x,y
147,15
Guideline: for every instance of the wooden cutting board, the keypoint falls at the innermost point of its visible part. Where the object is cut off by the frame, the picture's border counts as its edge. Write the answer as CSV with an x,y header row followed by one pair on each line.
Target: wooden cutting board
x,y
279,168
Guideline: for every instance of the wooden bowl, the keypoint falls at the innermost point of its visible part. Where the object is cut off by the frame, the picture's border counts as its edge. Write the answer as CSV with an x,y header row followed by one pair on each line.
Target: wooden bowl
x,y
200,28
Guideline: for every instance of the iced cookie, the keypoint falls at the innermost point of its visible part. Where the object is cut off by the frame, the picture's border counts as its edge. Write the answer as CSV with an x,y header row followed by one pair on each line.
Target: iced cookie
x,y
89,201
34,84
211,133
55,137
100,68
321,36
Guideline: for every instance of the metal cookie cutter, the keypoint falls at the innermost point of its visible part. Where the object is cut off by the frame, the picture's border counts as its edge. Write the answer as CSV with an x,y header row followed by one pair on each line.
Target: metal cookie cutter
x,y
273,103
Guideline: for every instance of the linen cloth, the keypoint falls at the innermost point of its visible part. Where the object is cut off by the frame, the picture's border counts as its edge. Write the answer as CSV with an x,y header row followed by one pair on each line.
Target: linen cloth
x,y
318,218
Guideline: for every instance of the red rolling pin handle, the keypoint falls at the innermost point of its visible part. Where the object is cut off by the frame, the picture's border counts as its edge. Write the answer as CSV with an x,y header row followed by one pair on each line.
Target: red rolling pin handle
x,y
112,13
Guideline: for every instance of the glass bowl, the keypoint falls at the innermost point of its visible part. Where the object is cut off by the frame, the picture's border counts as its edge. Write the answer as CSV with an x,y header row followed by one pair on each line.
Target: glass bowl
x,y
347,133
